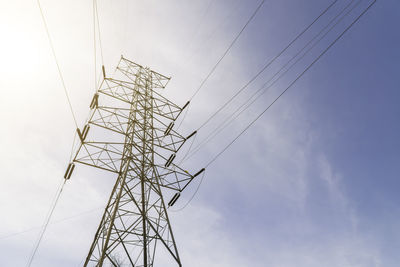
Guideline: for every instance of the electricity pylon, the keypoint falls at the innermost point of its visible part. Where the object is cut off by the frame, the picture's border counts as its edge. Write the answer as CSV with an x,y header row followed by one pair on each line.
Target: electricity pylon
x,y
130,133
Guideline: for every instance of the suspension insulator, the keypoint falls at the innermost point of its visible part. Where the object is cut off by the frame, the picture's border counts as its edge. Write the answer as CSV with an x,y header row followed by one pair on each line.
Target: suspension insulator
x,y
187,103
169,128
199,172
94,102
85,131
104,71
82,135
169,161
174,199
79,134
191,135
69,171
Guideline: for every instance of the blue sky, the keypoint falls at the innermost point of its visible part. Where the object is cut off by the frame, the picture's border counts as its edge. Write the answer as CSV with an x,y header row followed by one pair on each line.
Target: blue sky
x,y
312,183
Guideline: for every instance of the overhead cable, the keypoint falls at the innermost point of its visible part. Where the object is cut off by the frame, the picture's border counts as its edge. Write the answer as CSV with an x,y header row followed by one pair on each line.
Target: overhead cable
x,y
60,189
58,65
227,50
221,58
94,44
266,66
290,85
47,220
98,29
193,195
10,235
264,88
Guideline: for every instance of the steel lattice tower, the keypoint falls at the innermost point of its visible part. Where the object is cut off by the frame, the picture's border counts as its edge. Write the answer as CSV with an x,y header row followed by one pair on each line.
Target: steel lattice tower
x,y
130,133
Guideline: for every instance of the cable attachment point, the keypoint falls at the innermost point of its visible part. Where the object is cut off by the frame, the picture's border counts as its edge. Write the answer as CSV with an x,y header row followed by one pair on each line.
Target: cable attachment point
x,y
169,128
169,161
199,172
104,71
187,103
174,199
83,134
69,171
195,132
95,101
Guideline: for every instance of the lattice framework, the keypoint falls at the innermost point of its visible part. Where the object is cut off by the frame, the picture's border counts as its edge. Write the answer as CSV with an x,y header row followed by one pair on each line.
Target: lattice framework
x,y
133,127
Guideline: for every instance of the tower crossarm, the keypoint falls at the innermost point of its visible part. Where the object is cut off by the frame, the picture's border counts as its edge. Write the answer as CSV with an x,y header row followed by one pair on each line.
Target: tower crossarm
x,y
131,69
126,92
173,177
110,118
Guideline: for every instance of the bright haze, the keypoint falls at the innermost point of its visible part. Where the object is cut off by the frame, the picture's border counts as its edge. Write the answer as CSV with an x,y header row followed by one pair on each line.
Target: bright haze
x,y
313,182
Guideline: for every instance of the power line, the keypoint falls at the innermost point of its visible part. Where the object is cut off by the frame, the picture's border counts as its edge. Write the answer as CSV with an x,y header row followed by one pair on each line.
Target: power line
x,y
98,29
47,220
199,24
95,17
190,147
58,221
263,88
60,189
194,194
291,84
56,60
221,58
266,65
227,50
94,45
211,35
